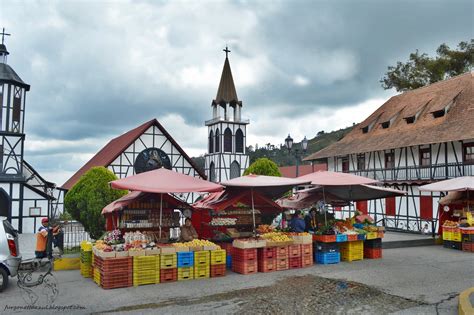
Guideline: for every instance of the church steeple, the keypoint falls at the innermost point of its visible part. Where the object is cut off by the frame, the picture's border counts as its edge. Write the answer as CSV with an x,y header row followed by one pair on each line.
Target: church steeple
x,y
226,93
3,49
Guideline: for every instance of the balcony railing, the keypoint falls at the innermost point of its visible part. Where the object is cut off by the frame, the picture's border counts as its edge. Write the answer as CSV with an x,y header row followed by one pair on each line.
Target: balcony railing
x,y
432,172
229,119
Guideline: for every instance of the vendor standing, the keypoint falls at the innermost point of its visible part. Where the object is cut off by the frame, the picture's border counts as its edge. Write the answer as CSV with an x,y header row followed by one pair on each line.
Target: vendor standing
x,y
188,232
297,223
311,221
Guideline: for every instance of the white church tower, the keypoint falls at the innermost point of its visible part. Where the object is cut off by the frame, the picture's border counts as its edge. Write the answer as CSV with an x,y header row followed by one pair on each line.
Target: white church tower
x,y
226,157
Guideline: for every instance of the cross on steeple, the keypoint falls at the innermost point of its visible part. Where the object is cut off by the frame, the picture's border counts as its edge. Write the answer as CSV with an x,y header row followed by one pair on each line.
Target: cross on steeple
x,y
227,51
4,34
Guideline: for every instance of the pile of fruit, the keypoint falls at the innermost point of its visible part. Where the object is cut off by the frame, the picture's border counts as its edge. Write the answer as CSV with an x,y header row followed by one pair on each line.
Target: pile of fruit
x,y
371,228
276,237
100,245
195,243
265,228
342,226
297,233
449,223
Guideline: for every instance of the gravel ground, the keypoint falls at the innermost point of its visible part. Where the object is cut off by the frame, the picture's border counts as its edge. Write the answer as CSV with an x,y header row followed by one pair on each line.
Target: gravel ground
x,y
293,295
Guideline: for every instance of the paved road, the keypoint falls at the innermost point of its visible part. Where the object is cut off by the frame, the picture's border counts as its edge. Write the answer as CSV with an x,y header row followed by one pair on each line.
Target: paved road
x,y
431,275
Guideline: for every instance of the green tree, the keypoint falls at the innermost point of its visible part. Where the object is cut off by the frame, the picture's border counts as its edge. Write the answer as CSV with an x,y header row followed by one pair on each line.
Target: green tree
x,y
263,166
89,196
421,70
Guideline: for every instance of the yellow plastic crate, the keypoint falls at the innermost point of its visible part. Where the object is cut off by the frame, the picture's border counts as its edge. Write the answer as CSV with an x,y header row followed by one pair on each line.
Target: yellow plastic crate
x,y
86,246
86,270
202,258
146,277
202,272
185,273
345,256
457,237
168,261
355,245
448,235
371,235
97,276
218,257
146,263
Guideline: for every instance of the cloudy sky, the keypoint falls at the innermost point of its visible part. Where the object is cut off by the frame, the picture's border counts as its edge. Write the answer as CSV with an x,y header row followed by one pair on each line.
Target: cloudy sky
x,y
100,68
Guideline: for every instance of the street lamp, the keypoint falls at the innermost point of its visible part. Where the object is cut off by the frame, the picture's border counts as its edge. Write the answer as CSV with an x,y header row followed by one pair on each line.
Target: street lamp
x,y
304,147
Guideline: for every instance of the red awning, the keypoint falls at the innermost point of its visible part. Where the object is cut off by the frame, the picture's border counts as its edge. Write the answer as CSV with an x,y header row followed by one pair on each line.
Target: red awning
x,y
328,178
465,183
137,196
165,181
225,199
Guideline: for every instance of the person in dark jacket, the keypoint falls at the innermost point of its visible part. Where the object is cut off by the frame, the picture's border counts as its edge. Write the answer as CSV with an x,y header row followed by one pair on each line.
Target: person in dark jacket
x,y
297,223
311,221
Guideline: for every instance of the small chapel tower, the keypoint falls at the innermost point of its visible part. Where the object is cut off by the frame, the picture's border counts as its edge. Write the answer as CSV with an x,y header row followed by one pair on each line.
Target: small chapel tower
x,y
226,157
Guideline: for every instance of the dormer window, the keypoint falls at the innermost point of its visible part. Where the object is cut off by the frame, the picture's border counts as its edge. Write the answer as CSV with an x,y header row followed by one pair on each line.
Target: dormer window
x,y
410,120
439,113
385,125
365,129
369,127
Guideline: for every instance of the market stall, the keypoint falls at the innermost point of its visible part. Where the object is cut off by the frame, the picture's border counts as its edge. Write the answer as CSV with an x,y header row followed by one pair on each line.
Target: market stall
x,y
456,212
226,215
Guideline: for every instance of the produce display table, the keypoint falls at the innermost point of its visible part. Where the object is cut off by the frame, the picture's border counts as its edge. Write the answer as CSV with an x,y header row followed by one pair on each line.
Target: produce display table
x,y
456,237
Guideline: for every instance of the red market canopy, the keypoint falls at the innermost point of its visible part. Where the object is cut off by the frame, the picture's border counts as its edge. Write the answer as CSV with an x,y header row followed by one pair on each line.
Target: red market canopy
x,y
465,183
328,178
165,181
337,195
134,196
219,201
269,186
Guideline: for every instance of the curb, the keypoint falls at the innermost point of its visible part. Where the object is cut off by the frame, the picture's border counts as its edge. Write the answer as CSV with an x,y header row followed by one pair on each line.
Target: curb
x,y
465,306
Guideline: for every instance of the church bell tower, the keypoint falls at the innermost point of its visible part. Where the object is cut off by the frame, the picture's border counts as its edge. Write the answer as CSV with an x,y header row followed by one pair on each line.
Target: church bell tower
x,y
226,156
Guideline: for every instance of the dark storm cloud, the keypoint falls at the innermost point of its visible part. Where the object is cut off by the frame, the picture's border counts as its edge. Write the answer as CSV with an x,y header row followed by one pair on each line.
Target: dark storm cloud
x,y
99,69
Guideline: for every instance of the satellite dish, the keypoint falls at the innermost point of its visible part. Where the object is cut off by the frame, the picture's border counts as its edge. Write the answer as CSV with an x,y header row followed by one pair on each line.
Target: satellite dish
x,y
446,208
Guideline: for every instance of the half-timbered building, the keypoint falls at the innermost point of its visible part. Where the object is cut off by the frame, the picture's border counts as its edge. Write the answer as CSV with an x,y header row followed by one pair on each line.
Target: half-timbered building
x,y
25,196
415,138
146,147
226,156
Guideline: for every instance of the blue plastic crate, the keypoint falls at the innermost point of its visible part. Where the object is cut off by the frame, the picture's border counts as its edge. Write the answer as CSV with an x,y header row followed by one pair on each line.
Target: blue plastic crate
x,y
185,259
360,237
341,238
327,258
229,261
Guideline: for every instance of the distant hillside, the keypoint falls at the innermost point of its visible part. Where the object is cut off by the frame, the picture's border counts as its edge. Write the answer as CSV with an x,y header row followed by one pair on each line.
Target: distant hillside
x,y
280,154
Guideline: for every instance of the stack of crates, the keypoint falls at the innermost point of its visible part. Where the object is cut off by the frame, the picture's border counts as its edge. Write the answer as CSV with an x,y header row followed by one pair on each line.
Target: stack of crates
x,y
467,235
282,262
185,265
146,270
452,237
351,251
294,256
86,260
306,255
267,260
202,262
168,268
228,252
244,261
373,248
326,253
218,263
114,272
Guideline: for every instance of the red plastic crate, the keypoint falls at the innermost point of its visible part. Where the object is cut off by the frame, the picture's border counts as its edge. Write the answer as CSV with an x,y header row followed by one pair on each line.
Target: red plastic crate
x,y
373,253
282,264
114,264
218,270
244,254
294,251
468,247
324,238
116,279
306,261
351,238
282,252
227,247
267,253
244,267
168,275
306,249
267,265
294,262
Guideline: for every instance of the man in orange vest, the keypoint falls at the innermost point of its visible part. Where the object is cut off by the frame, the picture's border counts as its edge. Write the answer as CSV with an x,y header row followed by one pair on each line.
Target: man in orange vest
x,y
42,239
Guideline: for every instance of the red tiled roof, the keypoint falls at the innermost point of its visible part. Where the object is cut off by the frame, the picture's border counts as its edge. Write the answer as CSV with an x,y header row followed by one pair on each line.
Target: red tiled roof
x,y
290,171
455,125
117,145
